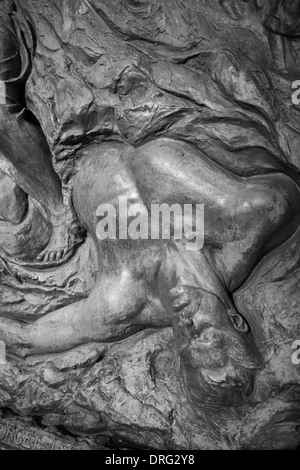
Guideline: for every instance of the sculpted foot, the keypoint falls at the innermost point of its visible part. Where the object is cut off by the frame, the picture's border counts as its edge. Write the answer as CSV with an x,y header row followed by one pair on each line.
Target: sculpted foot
x,y
66,236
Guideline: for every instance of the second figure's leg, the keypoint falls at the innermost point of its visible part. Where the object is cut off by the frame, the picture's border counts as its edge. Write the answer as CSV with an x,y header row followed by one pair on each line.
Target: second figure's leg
x,y
24,145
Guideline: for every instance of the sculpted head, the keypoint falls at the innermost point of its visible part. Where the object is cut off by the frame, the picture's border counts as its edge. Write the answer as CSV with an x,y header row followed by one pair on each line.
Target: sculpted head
x,y
218,357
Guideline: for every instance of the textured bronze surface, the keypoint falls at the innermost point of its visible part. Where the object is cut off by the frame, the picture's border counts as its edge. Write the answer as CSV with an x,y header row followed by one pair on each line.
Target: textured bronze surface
x,y
149,343
15,435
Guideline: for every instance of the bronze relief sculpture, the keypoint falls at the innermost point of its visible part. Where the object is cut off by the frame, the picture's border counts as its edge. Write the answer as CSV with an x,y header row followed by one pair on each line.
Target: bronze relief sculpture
x,y
148,341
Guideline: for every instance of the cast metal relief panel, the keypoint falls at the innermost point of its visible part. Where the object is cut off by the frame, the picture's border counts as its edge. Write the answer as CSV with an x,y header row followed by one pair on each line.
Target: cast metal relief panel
x,y
149,224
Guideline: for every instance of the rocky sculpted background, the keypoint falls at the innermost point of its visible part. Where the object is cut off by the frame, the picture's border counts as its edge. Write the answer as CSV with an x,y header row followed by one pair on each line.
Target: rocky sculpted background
x,y
146,343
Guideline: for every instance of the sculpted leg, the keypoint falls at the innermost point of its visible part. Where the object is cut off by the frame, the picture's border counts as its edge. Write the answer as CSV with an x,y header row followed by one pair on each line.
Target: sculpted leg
x,y
118,306
109,314
24,146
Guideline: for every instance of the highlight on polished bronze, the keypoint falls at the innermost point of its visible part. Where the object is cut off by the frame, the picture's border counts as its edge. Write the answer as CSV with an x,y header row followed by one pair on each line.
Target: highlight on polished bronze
x,y
149,224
